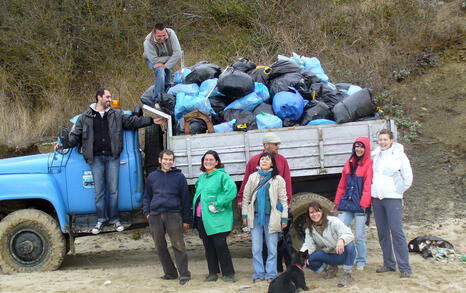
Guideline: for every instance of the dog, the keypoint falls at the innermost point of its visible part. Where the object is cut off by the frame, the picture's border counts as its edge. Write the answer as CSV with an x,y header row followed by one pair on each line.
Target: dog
x,y
293,279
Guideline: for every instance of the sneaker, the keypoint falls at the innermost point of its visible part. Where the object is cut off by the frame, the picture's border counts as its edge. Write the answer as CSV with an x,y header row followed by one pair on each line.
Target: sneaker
x,y
183,281
345,280
230,278
331,272
118,226
98,227
405,274
360,268
257,280
211,278
384,269
270,280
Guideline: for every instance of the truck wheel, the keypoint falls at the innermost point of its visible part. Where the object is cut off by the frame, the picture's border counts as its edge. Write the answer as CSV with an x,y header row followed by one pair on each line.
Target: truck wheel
x,y
298,206
30,240
153,145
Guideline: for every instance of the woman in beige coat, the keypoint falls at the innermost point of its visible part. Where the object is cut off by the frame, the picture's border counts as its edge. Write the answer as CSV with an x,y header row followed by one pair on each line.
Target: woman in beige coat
x,y
265,211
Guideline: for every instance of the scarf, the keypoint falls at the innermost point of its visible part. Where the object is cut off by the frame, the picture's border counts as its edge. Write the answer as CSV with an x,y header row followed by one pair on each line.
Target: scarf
x,y
261,194
320,227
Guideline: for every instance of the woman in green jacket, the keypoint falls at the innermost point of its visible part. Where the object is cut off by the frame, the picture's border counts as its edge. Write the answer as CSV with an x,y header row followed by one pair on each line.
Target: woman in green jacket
x,y
213,215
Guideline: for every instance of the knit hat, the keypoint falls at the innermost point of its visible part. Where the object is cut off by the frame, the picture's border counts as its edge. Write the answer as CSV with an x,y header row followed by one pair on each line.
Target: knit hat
x,y
270,138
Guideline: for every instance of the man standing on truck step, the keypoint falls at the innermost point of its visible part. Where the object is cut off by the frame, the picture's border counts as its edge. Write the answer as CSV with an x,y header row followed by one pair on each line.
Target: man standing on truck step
x,y
166,206
161,52
271,144
99,130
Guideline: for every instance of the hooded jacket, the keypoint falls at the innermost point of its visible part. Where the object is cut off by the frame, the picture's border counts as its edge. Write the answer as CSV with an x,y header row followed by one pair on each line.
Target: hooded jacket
x,y
392,172
167,192
354,190
219,189
83,131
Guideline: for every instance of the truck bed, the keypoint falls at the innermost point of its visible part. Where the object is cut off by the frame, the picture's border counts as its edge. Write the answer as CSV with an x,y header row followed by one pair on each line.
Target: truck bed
x,y
310,150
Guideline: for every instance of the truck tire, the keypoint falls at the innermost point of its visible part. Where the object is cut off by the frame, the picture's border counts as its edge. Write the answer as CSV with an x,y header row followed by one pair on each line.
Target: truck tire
x,y
298,206
30,240
153,145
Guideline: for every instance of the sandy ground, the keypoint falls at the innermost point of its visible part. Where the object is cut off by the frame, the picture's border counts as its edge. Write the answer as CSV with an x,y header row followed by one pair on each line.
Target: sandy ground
x,y
127,262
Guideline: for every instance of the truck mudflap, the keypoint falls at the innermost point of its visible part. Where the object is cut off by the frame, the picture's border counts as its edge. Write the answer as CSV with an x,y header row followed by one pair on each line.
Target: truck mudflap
x,y
35,186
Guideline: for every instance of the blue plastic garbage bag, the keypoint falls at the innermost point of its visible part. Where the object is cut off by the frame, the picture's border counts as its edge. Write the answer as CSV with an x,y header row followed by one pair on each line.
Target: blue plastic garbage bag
x,y
313,64
206,87
191,89
180,75
266,121
289,104
186,103
321,122
225,126
295,58
252,100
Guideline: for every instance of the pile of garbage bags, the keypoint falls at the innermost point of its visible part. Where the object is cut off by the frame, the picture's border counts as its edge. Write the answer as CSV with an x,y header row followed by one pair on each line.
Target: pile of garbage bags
x,y
292,91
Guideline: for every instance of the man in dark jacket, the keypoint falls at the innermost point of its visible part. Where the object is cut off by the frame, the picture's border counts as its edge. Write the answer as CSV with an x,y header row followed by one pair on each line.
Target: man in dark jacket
x,y
166,206
99,130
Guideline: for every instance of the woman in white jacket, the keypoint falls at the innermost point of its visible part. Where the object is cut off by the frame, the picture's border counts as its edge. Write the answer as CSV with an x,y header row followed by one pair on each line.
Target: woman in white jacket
x,y
265,211
392,177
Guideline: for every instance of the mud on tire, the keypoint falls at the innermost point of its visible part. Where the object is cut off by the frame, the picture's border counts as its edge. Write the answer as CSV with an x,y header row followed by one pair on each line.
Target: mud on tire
x,y
30,240
298,206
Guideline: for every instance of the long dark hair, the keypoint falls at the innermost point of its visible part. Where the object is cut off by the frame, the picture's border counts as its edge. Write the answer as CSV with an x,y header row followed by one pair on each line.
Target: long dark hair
x,y
317,207
216,157
275,171
354,163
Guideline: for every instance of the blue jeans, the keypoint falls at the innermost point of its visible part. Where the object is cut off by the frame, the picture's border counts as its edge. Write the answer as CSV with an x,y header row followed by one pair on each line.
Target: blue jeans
x,y
162,79
319,258
105,170
360,229
270,271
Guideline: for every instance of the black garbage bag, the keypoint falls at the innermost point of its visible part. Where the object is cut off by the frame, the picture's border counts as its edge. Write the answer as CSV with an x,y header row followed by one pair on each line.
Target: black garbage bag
x,y
244,65
355,106
288,122
315,110
263,107
309,78
343,86
377,116
261,74
245,120
425,244
197,126
202,71
234,83
218,103
281,67
167,103
281,83
327,94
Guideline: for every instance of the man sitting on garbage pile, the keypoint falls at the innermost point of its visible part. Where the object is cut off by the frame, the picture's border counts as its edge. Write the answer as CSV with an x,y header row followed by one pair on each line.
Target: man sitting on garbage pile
x,y
161,52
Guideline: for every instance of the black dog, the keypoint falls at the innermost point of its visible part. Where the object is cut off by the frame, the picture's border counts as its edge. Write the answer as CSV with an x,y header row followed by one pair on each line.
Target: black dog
x,y
293,279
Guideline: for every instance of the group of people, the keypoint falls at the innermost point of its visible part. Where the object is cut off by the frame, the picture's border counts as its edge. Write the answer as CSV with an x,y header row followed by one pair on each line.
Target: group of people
x,y
367,183
264,202
376,180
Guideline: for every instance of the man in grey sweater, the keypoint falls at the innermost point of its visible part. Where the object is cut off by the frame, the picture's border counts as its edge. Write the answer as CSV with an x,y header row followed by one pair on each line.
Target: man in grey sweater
x,y
161,52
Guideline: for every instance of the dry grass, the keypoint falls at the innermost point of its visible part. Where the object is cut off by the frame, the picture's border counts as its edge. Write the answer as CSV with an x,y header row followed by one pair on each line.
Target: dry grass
x,y
50,69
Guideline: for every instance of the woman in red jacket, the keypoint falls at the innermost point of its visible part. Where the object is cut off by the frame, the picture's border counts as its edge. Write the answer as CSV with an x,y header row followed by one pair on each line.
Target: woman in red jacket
x,y
353,198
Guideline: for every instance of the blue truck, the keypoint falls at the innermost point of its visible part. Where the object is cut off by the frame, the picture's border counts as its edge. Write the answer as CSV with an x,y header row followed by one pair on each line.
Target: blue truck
x,y
47,200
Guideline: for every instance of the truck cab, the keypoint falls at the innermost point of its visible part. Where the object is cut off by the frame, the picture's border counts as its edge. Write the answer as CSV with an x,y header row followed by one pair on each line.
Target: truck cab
x,y
47,200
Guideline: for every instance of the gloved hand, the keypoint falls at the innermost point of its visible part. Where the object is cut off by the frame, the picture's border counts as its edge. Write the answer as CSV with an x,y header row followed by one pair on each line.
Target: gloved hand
x,y
212,209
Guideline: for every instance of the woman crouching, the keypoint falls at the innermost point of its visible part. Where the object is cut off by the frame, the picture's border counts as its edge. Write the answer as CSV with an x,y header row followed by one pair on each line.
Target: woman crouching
x,y
329,243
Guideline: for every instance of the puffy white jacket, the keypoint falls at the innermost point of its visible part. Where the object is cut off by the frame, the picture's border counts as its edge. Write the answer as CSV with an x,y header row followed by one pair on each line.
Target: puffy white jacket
x,y
392,172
